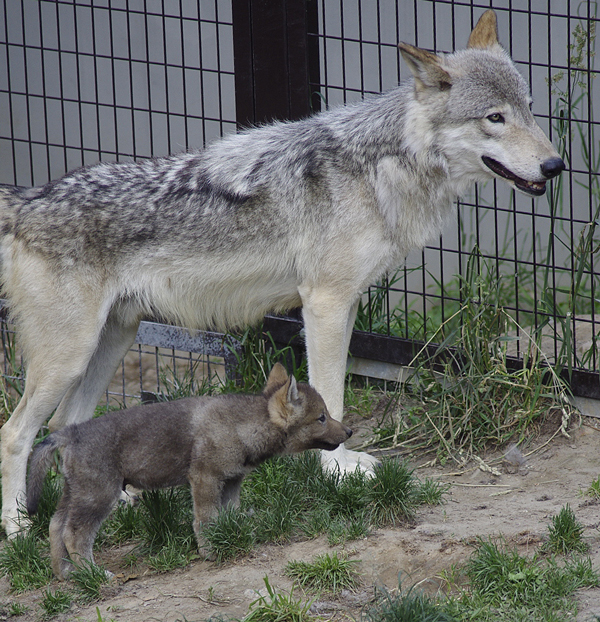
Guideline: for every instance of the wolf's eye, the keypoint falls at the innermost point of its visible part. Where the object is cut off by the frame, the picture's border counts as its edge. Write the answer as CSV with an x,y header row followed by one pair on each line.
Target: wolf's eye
x,y
322,418
496,118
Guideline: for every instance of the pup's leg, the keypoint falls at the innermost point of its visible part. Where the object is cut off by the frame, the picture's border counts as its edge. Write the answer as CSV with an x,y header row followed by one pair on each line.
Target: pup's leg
x,y
231,492
328,323
86,513
207,492
58,551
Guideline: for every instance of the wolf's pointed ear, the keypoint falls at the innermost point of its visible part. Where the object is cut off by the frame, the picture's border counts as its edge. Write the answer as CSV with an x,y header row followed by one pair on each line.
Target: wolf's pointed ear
x,y
485,34
277,377
426,68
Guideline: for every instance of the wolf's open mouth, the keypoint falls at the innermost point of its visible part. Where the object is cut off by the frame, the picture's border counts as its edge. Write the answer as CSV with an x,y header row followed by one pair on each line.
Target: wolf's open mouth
x,y
535,188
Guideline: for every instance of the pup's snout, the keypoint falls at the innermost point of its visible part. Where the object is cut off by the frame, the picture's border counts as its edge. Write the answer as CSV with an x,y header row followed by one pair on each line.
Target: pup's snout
x,y
348,431
552,167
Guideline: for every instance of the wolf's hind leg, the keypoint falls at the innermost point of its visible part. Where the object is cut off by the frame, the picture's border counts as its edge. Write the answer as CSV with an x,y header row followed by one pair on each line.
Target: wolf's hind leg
x,y
82,397
59,332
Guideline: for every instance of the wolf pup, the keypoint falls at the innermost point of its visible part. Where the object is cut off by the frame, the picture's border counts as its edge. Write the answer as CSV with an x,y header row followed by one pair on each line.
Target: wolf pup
x,y
210,442
305,214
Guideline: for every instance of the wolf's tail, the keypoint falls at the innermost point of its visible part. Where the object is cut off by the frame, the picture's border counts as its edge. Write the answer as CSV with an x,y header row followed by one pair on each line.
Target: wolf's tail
x,y
39,463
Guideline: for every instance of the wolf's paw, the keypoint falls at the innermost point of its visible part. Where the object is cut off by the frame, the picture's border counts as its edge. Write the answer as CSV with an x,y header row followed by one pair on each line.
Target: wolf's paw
x,y
130,495
348,461
15,526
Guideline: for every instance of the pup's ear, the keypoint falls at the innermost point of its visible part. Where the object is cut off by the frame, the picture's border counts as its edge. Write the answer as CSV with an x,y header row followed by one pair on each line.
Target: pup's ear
x,y
277,377
426,68
485,34
284,402
292,392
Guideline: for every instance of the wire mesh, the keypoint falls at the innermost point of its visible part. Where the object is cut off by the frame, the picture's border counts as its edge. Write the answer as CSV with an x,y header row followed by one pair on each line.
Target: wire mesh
x,y
89,80
538,259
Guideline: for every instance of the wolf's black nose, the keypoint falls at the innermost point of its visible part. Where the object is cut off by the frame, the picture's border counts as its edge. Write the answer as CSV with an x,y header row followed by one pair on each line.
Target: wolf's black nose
x,y
552,167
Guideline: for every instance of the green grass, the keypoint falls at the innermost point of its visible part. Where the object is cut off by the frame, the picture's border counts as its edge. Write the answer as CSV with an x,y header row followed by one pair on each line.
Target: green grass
x,y
230,535
54,603
165,518
278,606
410,605
326,573
565,533
593,490
88,580
393,493
497,583
463,395
51,493
25,561
505,586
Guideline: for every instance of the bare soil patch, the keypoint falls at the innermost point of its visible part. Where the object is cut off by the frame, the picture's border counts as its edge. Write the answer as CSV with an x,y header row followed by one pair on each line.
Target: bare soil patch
x,y
518,503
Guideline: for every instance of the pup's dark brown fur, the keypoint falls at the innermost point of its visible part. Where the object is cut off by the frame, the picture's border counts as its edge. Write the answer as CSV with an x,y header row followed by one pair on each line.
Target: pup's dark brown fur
x,y
210,442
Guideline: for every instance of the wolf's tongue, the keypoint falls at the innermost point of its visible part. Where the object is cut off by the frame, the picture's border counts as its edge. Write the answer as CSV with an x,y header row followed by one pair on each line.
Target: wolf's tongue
x,y
535,188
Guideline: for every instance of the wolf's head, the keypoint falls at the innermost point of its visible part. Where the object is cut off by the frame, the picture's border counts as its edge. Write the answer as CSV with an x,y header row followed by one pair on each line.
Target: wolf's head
x,y
477,112
301,412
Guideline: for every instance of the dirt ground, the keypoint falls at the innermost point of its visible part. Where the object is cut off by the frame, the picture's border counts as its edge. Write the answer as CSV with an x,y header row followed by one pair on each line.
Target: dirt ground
x,y
518,503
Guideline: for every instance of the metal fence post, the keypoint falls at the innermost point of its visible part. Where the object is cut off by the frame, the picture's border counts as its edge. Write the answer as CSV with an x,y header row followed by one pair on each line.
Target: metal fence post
x,y
275,59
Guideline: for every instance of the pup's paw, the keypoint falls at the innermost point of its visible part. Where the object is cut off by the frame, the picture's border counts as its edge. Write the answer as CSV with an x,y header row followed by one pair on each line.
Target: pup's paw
x,y
206,554
347,461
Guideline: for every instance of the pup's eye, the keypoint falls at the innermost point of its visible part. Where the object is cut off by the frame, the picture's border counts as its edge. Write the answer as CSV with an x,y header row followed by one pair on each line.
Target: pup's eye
x,y
322,418
495,118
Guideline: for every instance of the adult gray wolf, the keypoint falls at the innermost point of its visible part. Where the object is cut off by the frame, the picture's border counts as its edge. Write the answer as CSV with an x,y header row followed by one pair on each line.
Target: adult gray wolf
x,y
210,442
305,214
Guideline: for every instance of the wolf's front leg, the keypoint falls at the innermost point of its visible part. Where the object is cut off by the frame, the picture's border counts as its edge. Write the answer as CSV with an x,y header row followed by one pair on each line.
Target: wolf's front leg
x,y
328,323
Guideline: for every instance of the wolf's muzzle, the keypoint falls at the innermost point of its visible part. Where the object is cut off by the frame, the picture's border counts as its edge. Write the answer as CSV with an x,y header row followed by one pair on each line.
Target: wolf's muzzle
x,y
549,168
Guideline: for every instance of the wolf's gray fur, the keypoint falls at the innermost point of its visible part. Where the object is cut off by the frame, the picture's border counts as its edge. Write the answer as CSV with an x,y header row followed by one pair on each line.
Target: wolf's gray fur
x,y
305,214
210,442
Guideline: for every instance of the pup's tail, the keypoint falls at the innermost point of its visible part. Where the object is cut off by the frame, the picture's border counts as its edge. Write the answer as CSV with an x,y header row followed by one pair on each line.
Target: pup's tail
x,y
39,463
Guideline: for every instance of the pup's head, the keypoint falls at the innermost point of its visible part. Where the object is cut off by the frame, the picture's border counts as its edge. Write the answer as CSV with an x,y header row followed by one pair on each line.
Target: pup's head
x,y
301,412
474,107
